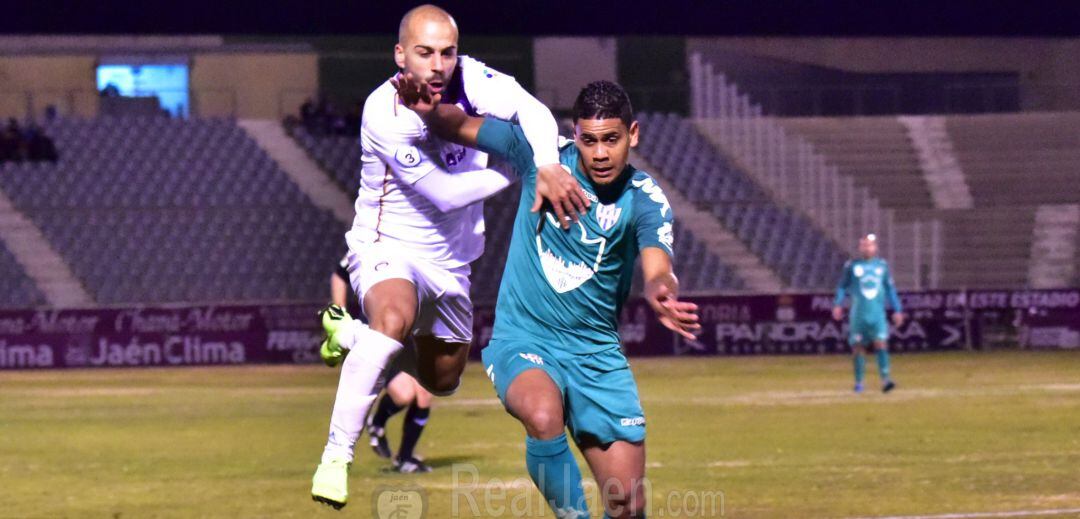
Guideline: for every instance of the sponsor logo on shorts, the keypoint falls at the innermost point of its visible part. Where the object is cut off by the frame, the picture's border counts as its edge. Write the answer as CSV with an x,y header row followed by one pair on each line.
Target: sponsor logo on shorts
x,y
637,421
532,357
381,265
491,373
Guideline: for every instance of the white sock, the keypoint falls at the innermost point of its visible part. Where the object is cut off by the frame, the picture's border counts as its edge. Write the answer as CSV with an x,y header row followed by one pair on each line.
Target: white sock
x,y
352,331
356,389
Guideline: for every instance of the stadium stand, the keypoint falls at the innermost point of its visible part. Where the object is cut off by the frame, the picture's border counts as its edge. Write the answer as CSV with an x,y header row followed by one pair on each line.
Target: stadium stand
x,y
785,240
1019,159
1013,164
167,210
17,290
337,154
875,151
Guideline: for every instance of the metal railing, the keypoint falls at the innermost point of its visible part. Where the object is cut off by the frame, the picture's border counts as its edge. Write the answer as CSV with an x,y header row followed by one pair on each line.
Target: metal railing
x,y
806,99
800,177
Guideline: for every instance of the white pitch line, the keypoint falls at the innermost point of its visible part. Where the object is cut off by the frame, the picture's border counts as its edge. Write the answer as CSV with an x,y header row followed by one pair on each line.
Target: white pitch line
x,y
975,515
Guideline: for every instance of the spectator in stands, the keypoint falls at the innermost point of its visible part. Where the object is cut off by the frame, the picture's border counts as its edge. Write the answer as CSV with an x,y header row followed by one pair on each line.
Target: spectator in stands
x,y
39,146
352,119
11,142
307,113
8,145
31,144
322,118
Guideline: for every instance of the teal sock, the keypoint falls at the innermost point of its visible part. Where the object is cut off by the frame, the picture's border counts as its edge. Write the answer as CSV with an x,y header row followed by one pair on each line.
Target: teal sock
x,y
883,364
860,367
555,471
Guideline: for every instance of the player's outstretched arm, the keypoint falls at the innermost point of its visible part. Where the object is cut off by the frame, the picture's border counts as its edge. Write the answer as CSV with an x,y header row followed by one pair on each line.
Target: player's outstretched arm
x,y
447,191
498,95
553,184
662,290
448,122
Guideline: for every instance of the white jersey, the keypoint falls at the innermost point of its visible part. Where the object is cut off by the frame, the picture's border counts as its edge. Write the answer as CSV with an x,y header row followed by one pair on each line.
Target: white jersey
x,y
397,151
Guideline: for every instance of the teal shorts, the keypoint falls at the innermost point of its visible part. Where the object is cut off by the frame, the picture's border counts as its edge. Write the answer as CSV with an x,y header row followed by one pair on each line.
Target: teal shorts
x,y
600,396
866,331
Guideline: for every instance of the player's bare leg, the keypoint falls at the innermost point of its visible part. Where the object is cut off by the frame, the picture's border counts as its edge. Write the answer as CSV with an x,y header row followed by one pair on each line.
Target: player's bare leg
x,y
391,306
858,358
535,400
619,469
881,351
440,364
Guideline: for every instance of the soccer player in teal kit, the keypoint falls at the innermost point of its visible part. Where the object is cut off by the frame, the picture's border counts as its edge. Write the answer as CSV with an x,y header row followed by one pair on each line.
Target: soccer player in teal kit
x,y
870,284
554,357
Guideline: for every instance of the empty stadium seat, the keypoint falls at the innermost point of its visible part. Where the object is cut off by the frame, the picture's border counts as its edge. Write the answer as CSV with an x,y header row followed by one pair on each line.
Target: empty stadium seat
x,y
167,210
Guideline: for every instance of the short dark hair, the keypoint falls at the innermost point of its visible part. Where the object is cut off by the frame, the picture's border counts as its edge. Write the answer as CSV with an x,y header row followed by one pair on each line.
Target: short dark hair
x,y
603,100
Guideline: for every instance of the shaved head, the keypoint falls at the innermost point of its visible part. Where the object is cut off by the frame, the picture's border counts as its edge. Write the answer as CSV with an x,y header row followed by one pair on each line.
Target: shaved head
x,y
868,246
418,16
427,46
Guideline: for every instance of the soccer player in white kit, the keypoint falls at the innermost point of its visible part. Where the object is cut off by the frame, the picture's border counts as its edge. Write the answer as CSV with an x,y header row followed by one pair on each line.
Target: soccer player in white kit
x,y
419,224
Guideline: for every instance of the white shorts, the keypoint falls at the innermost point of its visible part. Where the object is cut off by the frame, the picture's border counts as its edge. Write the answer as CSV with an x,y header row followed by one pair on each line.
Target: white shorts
x,y
445,310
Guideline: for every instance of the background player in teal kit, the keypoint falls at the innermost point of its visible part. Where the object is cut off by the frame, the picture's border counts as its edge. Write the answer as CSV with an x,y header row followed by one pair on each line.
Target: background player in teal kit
x,y
870,284
554,357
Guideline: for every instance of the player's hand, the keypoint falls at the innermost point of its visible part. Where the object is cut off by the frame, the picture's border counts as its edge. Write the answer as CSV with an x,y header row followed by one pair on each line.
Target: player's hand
x,y
838,313
414,95
898,318
680,317
557,186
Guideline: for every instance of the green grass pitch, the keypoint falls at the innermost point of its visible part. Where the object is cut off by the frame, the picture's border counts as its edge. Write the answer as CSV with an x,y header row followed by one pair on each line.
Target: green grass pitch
x,y
764,437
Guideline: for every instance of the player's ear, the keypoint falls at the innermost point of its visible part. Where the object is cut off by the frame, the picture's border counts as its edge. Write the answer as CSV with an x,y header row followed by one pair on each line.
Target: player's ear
x,y
633,133
399,56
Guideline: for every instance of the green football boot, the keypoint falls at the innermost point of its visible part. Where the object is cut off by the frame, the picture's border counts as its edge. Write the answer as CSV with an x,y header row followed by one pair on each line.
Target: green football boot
x,y
333,318
330,484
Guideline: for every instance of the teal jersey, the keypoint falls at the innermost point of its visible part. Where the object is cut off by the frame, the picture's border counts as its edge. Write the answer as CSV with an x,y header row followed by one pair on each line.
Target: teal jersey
x,y
565,288
870,284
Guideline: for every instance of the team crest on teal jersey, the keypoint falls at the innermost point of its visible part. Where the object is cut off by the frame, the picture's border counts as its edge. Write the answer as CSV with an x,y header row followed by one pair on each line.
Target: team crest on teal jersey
x,y
607,215
564,275
869,280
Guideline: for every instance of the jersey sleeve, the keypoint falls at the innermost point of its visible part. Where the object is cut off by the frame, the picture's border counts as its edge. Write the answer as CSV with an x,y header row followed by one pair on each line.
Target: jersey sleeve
x,y
495,94
890,291
401,146
841,287
653,218
507,141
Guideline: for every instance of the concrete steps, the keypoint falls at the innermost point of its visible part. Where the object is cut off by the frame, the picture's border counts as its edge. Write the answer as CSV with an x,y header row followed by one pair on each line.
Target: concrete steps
x,y
299,166
45,266
874,151
717,239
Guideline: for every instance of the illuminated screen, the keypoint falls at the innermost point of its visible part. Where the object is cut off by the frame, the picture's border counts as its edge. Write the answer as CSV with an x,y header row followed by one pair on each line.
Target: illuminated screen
x,y
168,82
